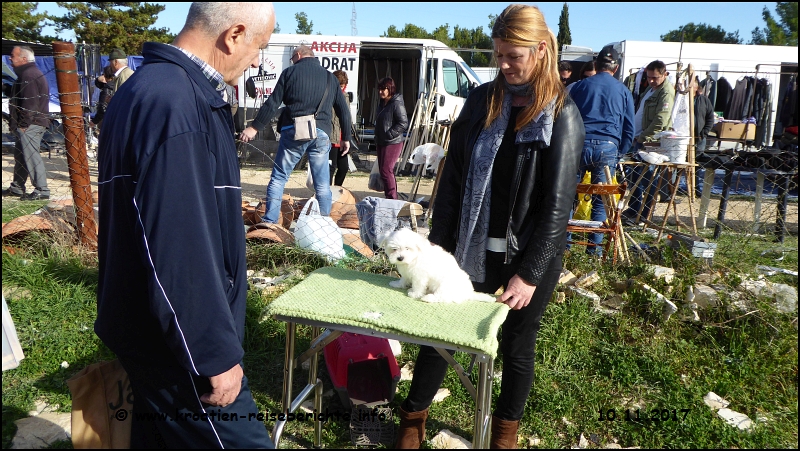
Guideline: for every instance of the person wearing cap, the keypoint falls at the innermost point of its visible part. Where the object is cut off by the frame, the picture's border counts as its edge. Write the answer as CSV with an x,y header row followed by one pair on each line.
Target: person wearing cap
x,y
119,61
606,107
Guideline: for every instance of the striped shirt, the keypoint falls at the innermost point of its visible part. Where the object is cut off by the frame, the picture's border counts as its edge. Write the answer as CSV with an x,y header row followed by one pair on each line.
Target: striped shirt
x,y
212,74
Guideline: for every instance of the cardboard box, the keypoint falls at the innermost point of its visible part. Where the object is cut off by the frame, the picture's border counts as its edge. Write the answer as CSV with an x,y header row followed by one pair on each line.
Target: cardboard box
x,y
733,130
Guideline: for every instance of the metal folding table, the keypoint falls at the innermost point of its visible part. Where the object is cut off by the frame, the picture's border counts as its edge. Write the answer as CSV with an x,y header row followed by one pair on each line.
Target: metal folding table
x,y
341,300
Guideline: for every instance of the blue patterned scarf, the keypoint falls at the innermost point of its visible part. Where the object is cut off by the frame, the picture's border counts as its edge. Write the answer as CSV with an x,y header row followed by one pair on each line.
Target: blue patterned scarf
x,y
473,228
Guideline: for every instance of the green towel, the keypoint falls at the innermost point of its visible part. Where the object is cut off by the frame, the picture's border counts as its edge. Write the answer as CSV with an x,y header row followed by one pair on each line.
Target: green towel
x,y
347,297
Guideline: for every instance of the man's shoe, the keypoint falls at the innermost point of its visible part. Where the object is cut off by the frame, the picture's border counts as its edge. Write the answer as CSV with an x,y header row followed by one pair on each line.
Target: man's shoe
x,y
35,196
11,191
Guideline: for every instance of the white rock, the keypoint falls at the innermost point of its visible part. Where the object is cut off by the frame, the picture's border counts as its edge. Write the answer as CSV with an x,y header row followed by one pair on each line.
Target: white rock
x,y
39,407
613,446
689,299
582,442
306,364
705,296
785,298
407,372
585,293
587,279
566,421
42,430
567,278
441,394
308,406
448,440
715,401
534,441
736,419
662,272
64,365
396,348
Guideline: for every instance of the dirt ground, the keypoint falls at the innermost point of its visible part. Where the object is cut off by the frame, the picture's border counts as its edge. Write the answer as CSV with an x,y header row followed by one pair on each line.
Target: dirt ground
x,y
739,216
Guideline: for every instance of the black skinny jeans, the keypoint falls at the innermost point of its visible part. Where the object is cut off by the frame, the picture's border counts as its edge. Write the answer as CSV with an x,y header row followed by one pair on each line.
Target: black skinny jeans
x,y
339,165
517,345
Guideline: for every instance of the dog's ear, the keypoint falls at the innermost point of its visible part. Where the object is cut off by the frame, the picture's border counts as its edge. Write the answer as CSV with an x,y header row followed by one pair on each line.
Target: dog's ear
x,y
383,238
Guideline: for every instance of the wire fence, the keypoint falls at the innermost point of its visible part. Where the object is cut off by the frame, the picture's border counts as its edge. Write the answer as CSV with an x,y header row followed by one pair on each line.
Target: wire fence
x,y
754,193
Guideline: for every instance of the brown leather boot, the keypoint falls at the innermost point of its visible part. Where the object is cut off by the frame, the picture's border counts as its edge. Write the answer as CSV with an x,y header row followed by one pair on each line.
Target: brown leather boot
x,y
504,434
412,429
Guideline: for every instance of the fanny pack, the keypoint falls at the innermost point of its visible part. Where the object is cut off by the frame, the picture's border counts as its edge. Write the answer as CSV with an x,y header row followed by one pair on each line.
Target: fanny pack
x,y
305,127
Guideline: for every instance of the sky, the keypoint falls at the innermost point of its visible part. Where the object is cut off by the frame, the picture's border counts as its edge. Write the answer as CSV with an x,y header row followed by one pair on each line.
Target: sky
x,y
592,24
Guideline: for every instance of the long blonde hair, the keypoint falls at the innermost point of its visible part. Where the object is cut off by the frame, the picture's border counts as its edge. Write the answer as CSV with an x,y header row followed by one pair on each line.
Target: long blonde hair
x,y
524,25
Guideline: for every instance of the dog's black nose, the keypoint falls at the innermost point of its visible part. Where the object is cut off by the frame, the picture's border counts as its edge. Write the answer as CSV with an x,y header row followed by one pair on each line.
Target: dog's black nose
x,y
399,259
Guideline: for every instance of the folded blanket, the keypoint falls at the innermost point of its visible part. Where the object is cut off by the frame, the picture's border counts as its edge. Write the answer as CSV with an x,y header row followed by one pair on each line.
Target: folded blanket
x,y
347,297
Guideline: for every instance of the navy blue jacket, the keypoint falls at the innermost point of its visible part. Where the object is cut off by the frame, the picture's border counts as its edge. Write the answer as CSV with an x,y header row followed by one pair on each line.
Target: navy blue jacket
x,y
301,87
606,107
171,245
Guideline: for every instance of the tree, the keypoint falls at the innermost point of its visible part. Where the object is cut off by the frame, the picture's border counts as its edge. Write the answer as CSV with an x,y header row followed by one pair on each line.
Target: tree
x,y
492,19
21,24
462,38
409,31
702,33
778,33
564,36
124,25
304,26
277,28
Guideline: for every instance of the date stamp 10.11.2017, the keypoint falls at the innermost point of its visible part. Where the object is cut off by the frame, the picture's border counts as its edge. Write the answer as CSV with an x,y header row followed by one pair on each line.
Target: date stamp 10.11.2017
x,y
644,415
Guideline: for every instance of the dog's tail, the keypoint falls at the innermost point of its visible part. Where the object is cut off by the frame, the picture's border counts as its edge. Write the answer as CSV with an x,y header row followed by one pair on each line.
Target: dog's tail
x,y
482,297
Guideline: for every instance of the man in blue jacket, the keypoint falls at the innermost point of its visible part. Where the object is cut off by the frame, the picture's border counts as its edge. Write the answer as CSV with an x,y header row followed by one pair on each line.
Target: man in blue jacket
x,y
302,88
606,106
172,286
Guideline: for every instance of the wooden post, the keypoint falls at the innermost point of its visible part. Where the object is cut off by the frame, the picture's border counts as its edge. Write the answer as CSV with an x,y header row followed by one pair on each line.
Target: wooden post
x,y
691,151
75,141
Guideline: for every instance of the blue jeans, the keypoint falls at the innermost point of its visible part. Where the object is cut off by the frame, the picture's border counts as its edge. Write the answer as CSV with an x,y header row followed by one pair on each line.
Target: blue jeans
x,y
289,153
596,155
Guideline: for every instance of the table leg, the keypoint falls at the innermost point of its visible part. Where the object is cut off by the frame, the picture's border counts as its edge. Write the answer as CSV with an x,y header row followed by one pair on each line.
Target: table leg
x,y
312,379
705,198
653,200
483,405
783,190
288,373
671,204
691,204
757,204
723,203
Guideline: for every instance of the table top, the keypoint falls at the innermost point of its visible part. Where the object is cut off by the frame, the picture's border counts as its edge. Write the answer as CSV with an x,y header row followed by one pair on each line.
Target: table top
x,y
364,301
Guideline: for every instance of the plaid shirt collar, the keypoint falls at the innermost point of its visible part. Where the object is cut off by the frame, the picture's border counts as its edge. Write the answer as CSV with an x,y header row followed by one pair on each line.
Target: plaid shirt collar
x,y
212,74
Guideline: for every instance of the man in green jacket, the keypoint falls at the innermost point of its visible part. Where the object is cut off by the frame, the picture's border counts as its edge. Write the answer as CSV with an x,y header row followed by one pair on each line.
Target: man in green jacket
x,y
654,116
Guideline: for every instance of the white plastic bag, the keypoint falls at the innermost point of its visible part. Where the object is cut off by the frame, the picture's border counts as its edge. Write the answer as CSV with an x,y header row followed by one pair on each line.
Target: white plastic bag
x,y
309,178
318,233
375,181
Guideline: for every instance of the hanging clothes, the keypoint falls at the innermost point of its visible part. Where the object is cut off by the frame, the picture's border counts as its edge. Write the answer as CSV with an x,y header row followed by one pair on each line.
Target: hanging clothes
x,y
723,99
709,86
762,107
788,104
736,105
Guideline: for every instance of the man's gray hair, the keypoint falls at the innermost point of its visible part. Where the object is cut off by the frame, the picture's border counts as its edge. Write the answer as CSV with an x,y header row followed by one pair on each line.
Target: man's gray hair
x,y
27,52
304,51
214,18
122,61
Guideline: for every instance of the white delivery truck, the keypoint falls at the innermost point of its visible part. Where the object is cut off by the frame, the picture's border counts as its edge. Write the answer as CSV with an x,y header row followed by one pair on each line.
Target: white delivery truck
x,y
418,66
732,61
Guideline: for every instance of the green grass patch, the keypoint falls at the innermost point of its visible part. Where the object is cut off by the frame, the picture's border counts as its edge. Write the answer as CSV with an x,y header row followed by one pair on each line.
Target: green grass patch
x,y
586,362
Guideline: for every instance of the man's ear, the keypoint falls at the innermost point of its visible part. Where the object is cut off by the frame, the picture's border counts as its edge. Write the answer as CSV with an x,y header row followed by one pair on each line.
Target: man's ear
x,y
233,36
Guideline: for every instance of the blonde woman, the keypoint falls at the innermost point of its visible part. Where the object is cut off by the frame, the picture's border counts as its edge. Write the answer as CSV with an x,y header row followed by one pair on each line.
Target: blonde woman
x,y
502,208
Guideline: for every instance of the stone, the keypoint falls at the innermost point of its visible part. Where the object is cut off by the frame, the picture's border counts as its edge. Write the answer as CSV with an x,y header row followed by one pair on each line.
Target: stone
x,y
615,302
582,442
559,297
715,401
566,421
613,446
441,395
705,296
587,279
534,441
307,406
705,278
407,371
448,440
567,278
736,419
585,293
785,298
662,272
42,430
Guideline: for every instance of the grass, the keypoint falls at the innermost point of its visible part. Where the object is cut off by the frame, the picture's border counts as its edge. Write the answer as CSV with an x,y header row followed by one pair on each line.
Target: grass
x,y
586,362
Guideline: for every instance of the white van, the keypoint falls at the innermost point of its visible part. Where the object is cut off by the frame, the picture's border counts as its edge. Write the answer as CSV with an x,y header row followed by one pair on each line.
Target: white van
x,y
416,65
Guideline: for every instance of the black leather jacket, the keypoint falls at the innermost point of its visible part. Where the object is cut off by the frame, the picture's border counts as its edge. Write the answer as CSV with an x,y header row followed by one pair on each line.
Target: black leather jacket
x,y
391,122
543,187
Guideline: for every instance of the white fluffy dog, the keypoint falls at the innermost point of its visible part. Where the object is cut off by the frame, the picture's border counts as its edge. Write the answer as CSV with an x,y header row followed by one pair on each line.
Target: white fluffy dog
x,y
431,272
